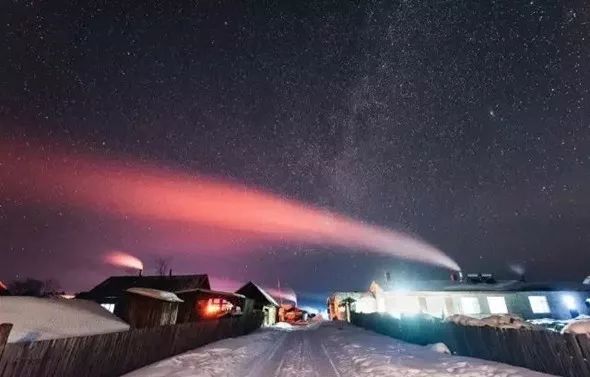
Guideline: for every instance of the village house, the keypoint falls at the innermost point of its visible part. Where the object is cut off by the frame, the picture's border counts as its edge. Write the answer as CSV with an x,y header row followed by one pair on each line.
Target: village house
x,y
291,313
147,307
477,295
112,292
263,302
199,304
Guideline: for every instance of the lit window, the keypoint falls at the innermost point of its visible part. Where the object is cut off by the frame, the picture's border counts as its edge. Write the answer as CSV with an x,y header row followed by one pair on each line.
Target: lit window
x,y
497,305
435,306
539,304
569,301
470,305
109,307
408,304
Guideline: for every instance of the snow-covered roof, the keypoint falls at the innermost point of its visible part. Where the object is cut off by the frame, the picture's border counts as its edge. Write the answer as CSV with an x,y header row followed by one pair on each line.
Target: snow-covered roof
x,y
47,318
116,285
248,288
211,292
155,293
266,295
498,286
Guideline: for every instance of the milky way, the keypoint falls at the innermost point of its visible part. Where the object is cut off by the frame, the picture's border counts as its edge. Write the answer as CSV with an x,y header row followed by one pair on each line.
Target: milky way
x,y
464,123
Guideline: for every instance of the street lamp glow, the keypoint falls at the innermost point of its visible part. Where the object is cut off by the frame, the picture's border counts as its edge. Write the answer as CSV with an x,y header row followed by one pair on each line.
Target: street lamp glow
x,y
569,301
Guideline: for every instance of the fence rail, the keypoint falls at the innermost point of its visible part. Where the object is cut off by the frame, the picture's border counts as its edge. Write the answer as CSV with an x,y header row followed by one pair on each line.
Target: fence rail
x,y
565,355
114,354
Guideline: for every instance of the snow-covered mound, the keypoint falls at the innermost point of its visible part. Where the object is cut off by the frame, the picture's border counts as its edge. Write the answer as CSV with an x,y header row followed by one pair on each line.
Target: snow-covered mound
x,y
283,326
581,326
47,318
506,321
439,348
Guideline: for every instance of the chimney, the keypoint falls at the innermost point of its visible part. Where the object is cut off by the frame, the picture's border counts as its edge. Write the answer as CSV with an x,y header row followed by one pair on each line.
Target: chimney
x,y
170,273
140,271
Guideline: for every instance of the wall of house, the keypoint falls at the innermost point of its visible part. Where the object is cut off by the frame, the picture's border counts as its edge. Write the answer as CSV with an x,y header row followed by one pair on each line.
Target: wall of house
x,y
450,303
143,312
270,315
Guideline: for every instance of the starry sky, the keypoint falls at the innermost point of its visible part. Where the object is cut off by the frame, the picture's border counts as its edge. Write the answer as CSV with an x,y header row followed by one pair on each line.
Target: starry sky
x,y
466,123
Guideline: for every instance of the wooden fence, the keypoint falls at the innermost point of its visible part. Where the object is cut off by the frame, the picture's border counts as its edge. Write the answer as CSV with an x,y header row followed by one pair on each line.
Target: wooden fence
x,y
114,354
545,351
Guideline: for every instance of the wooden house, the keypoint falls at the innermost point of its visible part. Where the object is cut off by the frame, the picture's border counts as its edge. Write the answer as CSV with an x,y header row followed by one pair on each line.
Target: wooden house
x,y
291,313
263,302
146,307
111,292
199,304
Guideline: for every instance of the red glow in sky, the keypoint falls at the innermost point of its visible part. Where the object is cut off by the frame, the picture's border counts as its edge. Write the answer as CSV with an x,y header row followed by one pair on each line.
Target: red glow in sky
x,y
134,190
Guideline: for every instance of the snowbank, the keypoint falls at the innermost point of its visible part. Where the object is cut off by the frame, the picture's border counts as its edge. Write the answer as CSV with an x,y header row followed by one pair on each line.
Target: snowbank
x,y
439,348
504,321
581,326
46,318
283,326
155,293
559,325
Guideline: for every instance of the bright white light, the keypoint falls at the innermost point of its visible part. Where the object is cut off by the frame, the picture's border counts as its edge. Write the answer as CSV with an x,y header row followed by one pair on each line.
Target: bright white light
x,y
569,301
435,306
109,307
408,304
539,304
365,305
470,305
497,305
380,305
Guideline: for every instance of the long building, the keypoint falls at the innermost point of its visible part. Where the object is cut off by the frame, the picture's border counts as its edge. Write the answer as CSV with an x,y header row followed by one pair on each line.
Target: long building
x,y
478,295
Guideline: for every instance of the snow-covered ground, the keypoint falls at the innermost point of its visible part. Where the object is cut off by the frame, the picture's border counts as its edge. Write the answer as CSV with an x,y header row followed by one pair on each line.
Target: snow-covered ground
x,y
329,349
46,318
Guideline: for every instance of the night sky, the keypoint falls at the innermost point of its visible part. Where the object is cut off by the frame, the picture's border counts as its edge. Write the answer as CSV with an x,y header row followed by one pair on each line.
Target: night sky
x,y
466,123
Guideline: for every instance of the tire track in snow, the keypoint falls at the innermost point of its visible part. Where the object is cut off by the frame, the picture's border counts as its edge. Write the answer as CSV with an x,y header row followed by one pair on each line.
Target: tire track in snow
x,y
263,365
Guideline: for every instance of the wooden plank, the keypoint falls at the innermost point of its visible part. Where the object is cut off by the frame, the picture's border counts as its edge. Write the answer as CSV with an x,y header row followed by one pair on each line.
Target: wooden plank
x,y
584,345
113,354
576,356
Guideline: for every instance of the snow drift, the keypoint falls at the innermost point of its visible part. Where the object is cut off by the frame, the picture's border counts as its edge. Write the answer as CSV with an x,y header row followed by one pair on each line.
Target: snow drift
x,y
47,318
580,326
505,321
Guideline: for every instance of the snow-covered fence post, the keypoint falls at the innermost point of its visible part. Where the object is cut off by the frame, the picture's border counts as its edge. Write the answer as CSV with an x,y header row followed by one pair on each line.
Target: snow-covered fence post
x,y
4,332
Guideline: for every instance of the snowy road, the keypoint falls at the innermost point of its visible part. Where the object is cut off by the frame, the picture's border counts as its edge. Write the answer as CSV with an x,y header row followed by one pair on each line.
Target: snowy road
x,y
326,350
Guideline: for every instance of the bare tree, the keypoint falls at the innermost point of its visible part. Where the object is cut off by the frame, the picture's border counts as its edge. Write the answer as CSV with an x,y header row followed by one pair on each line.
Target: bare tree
x,y
33,287
162,265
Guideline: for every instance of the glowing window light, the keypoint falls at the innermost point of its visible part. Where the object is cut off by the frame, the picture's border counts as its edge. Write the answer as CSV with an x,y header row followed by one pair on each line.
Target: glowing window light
x,y
435,306
109,307
470,305
408,305
539,304
497,305
569,301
